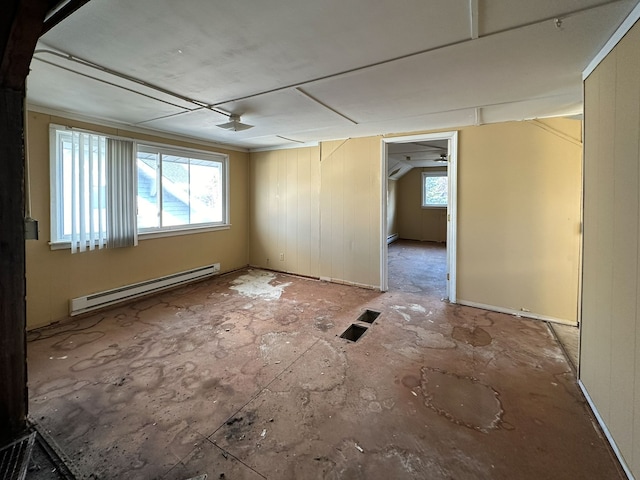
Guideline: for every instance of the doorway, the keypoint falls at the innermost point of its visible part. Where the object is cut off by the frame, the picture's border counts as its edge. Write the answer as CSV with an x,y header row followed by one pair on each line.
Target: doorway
x,y
438,148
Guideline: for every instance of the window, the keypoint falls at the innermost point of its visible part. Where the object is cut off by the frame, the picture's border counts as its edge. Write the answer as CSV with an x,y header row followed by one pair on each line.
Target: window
x,y
79,194
180,189
106,190
435,189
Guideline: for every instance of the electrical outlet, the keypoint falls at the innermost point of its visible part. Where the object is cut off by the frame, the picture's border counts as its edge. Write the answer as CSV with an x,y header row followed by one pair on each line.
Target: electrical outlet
x,y
282,257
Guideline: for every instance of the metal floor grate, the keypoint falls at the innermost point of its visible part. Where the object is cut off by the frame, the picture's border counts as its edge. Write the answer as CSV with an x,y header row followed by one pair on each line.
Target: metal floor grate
x,y
14,458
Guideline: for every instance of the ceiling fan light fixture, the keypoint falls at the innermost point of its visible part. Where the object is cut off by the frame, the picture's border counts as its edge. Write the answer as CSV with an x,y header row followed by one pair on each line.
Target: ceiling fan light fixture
x,y
234,124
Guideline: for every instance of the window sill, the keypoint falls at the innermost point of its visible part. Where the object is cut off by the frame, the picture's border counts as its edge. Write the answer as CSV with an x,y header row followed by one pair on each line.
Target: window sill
x,y
182,231
436,207
151,235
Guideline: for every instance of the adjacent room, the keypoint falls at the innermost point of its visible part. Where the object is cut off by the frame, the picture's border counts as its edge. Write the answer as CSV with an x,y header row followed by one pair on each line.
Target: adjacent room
x,y
320,240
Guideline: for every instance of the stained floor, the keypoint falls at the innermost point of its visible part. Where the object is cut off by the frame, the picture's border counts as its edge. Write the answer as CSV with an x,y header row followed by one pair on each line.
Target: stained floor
x,y
244,376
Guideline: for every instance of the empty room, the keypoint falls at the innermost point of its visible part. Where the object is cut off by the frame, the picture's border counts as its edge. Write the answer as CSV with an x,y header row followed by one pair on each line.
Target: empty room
x,y
320,240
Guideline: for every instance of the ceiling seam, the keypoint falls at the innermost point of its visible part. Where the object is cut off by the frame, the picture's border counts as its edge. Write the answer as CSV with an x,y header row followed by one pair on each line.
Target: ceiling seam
x,y
214,106
289,139
162,134
414,54
111,84
124,76
171,115
322,104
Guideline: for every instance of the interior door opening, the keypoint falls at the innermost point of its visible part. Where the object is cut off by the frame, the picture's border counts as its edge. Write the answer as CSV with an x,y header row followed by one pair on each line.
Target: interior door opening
x,y
419,203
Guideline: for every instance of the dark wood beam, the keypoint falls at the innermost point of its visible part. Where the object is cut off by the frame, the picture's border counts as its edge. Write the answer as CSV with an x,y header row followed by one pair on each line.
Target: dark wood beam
x,y
19,39
21,24
13,366
66,9
18,36
19,33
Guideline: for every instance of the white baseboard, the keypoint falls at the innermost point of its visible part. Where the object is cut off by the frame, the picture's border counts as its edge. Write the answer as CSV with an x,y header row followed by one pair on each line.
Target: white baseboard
x,y
517,313
606,431
392,238
346,282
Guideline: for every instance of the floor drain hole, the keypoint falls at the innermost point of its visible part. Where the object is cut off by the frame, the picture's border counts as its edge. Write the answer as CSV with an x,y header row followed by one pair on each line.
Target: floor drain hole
x,y
368,316
353,333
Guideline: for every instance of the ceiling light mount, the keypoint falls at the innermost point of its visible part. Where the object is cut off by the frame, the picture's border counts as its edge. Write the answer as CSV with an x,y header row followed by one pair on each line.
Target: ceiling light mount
x,y
234,124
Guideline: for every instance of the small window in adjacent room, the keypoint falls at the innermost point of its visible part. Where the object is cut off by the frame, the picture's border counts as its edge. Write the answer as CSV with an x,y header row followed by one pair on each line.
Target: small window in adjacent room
x,y
435,189
180,189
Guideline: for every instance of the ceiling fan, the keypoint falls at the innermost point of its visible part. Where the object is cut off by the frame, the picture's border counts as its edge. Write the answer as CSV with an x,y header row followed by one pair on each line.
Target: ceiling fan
x,y
234,124
443,158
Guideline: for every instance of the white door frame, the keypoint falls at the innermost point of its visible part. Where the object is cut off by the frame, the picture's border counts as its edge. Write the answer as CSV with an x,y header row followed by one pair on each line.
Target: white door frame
x,y
452,210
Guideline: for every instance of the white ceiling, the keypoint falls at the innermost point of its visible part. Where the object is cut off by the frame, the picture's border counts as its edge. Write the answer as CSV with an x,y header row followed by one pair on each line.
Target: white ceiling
x,y
305,71
402,157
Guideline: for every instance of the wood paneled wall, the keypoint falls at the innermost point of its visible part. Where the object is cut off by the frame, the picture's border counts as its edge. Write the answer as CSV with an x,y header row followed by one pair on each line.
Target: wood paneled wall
x,y
285,210
350,202
316,211
519,218
610,348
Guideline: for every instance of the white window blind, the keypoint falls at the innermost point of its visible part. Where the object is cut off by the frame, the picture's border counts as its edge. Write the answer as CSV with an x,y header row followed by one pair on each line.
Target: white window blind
x,y
94,193
105,190
121,194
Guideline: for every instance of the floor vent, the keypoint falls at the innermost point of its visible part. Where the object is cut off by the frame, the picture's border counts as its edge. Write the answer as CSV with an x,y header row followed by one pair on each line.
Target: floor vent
x,y
110,297
356,330
14,458
353,333
368,316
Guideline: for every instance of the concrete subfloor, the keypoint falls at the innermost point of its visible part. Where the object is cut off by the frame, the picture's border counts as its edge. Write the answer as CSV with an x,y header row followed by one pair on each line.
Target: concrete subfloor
x,y
244,376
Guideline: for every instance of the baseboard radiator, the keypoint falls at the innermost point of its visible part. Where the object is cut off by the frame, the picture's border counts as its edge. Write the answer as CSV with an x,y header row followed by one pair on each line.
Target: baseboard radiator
x,y
110,297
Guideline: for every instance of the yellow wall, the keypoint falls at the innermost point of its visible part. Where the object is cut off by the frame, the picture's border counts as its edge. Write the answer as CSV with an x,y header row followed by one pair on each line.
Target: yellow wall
x,y
54,277
519,217
610,337
415,222
518,214
285,212
350,209
392,207
320,208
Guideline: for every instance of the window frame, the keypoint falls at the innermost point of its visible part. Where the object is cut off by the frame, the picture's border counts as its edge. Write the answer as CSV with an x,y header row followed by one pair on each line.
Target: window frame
x,y
222,158
429,174
57,239
57,242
